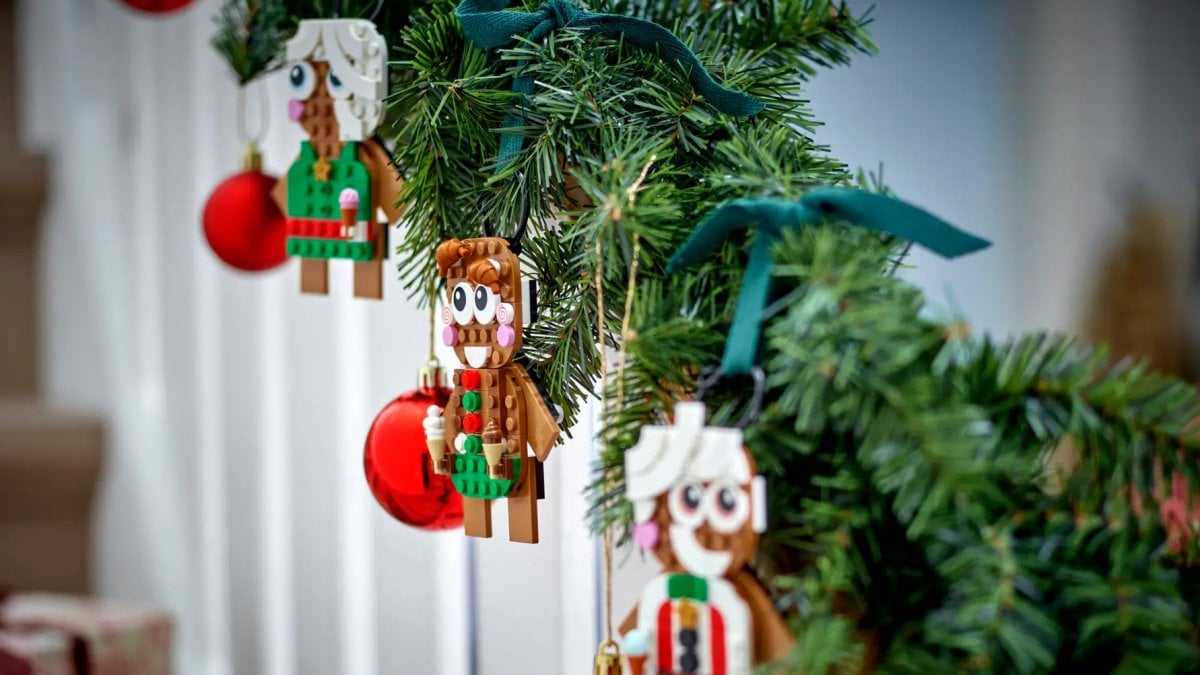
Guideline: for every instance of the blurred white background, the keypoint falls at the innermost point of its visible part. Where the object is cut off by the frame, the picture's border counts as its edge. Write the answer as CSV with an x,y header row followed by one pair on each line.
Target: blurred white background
x,y
234,492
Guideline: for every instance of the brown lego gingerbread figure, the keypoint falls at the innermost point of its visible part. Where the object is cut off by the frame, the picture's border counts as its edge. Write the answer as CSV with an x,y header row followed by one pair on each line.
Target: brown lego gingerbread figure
x,y
699,508
343,177
496,415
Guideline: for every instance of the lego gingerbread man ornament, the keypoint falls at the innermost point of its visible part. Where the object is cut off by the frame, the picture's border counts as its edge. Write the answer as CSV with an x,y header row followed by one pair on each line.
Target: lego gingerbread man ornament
x,y
496,414
699,508
337,76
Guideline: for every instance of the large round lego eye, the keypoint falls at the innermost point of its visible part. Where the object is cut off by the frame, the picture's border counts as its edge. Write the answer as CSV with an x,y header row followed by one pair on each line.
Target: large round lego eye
x,y
727,507
485,304
684,503
460,303
336,87
301,79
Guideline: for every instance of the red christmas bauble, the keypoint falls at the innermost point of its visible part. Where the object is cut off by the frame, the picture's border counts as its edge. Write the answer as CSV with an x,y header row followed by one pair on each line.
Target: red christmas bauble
x,y
243,225
157,6
399,469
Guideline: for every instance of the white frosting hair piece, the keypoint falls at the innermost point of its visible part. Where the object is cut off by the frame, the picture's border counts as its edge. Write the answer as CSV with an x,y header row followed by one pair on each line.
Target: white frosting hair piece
x,y
666,455
357,55
648,467
719,455
304,43
643,510
758,498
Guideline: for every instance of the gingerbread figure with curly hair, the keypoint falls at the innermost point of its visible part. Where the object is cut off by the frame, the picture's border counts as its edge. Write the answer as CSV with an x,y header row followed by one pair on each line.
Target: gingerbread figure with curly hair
x,y
497,428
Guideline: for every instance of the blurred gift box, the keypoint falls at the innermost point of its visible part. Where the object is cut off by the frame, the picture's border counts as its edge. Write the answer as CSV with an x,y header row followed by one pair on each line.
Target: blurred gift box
x,y
47,633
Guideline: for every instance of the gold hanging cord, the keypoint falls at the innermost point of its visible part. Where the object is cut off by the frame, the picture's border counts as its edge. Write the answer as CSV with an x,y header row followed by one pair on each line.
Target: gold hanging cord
x,y
608,655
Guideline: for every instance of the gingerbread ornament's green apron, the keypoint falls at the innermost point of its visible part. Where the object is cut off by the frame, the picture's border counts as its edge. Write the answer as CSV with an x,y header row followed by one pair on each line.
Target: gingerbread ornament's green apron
x,y
323,220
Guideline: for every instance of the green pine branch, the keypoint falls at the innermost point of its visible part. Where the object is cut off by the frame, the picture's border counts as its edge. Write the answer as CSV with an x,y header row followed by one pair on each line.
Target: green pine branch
x,y
251,36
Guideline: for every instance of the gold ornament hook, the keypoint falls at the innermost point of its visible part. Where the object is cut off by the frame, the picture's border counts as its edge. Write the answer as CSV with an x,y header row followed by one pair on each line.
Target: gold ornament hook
x,y
608,659
431,375
251,158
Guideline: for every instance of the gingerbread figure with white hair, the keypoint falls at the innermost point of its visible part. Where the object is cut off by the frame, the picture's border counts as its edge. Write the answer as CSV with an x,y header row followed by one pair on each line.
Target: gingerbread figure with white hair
x,y
699,508
343,177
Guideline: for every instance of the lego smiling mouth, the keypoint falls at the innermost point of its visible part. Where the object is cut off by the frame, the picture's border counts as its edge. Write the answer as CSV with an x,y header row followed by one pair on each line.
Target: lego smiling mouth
x,y
697,559
477,357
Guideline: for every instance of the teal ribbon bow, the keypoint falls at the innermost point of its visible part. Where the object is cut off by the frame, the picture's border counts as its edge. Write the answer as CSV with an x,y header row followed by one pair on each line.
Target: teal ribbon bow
x,y
489,25
772,217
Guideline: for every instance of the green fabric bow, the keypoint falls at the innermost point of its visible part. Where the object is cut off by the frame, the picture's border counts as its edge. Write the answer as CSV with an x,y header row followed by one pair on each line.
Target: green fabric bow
x,y
489,25
772,216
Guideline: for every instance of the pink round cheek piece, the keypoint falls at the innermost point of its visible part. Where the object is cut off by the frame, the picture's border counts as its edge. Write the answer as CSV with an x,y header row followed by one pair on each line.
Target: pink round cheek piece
x,y
449,336
295,109
646,535
505,335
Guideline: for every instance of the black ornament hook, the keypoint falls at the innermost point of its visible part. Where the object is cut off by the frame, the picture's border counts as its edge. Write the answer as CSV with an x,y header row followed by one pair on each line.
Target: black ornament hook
x,y
514,242
713,375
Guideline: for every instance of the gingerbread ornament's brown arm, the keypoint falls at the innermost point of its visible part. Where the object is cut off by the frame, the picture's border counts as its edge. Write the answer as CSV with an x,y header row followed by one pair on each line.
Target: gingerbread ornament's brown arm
x,y
771,636
279,194
387,179
541,428
450,420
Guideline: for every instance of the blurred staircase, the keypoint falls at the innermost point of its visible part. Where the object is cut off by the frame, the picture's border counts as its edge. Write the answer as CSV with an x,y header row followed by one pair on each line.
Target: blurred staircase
x,y
49,458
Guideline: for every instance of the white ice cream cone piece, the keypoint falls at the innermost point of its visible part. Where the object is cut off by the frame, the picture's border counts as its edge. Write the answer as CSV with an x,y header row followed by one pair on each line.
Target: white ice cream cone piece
x,y
349,203
435,438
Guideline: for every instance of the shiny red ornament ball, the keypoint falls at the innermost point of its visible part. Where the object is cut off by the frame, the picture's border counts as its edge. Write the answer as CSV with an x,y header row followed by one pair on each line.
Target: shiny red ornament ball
x,y
243,225
157,6
399,469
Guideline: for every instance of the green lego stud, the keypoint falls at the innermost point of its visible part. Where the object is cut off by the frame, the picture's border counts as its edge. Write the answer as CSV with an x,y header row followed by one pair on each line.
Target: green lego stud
x,y
472,444
471,401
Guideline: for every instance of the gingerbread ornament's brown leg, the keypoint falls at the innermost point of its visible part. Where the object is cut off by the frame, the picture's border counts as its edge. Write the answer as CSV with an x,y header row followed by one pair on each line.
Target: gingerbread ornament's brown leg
x,y
368,276
368,279
630,621
477,517
314,276
523,505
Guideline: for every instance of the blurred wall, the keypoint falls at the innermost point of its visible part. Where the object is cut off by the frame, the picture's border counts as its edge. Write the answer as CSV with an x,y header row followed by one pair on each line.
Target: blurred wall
x,y
1033,124
1112,89
937,112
